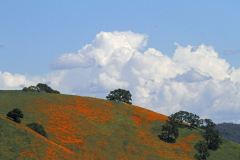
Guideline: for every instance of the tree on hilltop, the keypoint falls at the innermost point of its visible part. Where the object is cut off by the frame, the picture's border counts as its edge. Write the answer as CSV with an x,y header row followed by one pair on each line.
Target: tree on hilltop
x,y
120,95
207,123
185,118
40,87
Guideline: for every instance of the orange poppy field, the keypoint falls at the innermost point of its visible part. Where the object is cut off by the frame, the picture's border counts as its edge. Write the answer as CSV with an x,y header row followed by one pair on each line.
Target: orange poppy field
x,y
86,128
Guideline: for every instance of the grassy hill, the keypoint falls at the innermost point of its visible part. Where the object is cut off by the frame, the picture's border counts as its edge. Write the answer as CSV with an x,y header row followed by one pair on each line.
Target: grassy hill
x,y
91,129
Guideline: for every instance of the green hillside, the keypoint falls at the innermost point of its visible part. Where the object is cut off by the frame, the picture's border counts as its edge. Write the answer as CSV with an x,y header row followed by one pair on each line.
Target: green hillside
x,y
90,128
228,150
19,142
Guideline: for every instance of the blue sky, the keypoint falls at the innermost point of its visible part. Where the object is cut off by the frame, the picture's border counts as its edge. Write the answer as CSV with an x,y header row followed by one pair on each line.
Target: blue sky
x,y
45,41
34,33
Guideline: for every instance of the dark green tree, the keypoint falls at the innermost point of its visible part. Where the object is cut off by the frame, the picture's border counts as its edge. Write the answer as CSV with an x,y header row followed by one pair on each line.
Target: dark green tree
x,y
46,88
194,120
169,132
31,89
184,118
120,95
208,123
15,115
202,150
212,137
38,128
40,87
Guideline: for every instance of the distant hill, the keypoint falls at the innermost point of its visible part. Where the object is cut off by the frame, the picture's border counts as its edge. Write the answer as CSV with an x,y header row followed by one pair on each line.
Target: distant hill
x,y
91,129
230,131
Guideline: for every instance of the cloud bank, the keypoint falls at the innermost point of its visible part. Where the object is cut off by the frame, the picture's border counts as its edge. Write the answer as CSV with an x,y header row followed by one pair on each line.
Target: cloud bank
x,y
194,78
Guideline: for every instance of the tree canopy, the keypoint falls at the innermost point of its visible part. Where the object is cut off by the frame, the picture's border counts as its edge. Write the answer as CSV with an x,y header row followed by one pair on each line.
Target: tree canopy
x,y
212,138
120,95
186,118
169,132
202,150
15,115
40,87
207,123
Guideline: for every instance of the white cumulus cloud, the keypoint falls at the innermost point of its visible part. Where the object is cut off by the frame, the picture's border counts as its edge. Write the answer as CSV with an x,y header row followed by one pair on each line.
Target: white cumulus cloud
x,y
194,78
12,81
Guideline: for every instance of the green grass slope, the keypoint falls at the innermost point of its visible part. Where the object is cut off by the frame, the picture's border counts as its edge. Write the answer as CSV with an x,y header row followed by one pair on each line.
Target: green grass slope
x,y
89,128
228,151
19,142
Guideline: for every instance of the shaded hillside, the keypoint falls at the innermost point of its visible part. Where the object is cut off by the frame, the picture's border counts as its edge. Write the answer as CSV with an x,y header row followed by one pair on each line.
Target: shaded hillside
x,y
230,131
88,128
